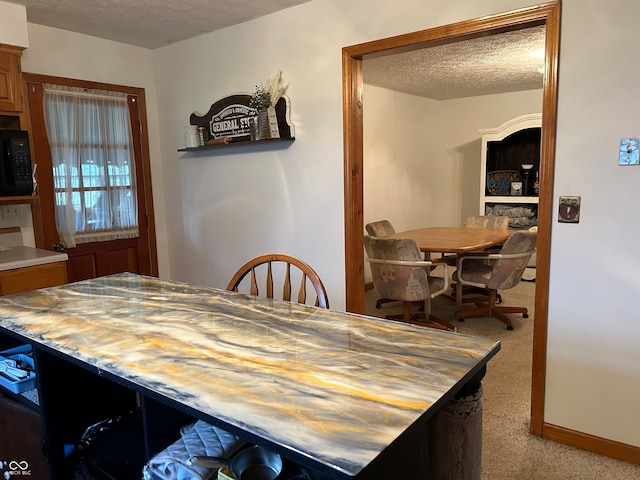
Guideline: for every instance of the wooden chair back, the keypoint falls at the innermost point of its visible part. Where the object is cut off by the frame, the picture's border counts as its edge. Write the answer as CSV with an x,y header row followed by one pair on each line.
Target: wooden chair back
x,y
262,268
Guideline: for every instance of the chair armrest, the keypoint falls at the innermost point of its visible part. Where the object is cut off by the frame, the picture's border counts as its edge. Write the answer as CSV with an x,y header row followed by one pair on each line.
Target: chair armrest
x,y
426,264
414,263
492,256
406,263
410,263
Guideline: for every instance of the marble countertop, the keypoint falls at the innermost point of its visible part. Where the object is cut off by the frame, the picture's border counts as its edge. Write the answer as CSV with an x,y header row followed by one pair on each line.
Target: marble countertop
x,y
21,256
333,387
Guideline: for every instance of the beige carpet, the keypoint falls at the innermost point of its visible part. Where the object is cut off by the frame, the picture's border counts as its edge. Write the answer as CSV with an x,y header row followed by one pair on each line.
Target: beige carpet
x,y
509,450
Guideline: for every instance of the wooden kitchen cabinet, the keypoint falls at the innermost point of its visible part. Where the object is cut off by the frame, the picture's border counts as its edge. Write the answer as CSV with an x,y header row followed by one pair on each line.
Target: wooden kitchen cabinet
x,y
32,278
14,115
10,79
21,439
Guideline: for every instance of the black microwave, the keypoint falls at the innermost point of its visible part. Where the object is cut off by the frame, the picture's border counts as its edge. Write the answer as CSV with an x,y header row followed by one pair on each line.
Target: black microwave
x,y
16,176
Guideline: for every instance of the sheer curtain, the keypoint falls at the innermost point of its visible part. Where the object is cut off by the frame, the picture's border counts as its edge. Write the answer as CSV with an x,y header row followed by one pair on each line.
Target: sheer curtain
x,y
89,132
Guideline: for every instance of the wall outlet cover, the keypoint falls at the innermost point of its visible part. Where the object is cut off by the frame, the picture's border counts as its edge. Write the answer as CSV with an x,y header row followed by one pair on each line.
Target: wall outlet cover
x,y
629,153
10,212
569,209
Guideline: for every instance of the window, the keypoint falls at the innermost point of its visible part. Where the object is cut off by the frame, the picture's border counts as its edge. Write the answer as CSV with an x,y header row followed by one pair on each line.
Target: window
x,y
89,134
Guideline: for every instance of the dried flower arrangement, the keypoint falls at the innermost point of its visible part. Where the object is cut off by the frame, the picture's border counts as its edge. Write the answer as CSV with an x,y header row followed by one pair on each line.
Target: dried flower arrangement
x,y
269,93
260,99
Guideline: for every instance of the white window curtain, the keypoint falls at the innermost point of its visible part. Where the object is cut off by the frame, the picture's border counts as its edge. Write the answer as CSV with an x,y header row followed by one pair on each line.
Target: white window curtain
x,y
89,132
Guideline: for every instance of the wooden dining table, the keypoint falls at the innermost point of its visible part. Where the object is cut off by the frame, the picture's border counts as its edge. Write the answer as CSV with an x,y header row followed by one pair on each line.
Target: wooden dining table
x,y
456,240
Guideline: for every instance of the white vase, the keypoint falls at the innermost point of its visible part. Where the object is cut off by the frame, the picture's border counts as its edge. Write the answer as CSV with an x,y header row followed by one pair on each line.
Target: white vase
x,y
274,131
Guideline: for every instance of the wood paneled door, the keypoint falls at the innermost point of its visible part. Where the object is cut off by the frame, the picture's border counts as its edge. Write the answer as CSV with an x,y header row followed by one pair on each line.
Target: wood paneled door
x,y
97,258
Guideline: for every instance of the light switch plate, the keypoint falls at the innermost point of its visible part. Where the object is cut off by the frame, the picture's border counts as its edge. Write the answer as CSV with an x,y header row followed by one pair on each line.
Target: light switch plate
x,y
569,209
629,154
10,212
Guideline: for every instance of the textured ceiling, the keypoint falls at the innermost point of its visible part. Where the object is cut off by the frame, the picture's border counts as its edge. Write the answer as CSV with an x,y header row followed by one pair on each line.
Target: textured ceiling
x,y
488,65
148,23
505,62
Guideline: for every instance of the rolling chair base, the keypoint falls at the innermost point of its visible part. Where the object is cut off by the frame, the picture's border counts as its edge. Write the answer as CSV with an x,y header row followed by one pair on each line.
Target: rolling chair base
x,y
499,313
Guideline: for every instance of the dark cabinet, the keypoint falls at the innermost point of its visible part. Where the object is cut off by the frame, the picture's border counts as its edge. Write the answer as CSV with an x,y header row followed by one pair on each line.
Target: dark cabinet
x,y
21,446
509,170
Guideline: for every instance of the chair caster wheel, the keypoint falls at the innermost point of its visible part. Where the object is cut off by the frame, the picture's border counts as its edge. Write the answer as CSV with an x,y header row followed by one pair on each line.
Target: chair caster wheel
x,y
461,319
378,306
498,300
509,327
525,315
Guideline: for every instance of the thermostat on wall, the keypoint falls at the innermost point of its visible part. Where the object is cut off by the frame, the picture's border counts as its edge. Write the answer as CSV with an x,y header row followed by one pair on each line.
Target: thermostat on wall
x,y
569,209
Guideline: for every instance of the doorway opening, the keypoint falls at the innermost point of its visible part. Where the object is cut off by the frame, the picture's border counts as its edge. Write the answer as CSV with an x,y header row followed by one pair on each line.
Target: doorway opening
x,y
547,14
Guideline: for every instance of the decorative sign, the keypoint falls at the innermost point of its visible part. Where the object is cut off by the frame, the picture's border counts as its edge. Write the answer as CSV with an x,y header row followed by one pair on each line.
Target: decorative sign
x,y
230,119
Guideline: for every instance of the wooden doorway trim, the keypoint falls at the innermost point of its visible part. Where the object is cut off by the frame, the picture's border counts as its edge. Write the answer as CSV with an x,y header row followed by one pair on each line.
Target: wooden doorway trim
x,y
547,14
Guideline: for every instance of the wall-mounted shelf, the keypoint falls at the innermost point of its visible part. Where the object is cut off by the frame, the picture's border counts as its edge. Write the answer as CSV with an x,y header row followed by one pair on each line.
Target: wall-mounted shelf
x,y
275,142
20,199
229,118
510,199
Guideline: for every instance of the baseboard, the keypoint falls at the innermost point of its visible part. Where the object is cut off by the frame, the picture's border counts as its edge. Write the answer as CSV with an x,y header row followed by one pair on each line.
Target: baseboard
x,y
591,443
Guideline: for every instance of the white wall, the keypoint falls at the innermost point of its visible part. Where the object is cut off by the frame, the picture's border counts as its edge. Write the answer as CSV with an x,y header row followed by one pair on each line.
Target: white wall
x,y
61,53
593,365
228,206
422,167
400,153
224,208
13,24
